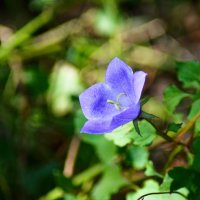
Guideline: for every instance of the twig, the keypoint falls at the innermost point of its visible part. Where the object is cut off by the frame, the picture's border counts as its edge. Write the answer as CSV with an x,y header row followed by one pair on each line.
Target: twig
x,y
24,33
187,127
159,193
71,157
88,174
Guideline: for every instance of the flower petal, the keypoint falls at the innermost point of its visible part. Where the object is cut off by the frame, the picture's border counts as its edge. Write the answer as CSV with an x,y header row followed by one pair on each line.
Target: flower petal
x,y
94,102
106,126
138,84
97,127
120,77
126,116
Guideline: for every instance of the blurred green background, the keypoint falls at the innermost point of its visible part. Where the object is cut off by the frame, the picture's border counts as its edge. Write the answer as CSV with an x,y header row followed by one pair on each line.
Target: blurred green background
x,y
50,51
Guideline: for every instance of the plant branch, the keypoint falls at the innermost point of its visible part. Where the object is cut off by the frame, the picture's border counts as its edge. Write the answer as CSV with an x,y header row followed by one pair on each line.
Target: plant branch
x,y
88,174
164,134
187,127
159,193
24,33
71,157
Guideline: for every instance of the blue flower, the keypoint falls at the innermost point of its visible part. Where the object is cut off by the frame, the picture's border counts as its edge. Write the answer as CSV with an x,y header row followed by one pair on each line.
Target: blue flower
x,y
113,103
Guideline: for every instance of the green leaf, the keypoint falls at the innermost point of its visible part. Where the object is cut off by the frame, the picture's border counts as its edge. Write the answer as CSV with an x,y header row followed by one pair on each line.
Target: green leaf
x,y
105,149
150,170
196,149
79,121
165,186
186,178
138,156
178,174
126,133
54,194
58,194
193,111
122,135
189,73
68,197
109,184
148,134
173,96
174,127
196,145
149,186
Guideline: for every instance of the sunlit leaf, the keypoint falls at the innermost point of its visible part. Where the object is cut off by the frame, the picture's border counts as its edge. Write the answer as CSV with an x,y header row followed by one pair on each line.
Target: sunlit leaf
x,y
148,134
126,133
151,186
122,135
165,186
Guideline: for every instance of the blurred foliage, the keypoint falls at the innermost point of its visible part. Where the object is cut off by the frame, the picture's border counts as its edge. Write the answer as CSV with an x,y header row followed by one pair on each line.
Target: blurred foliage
x,y
50,51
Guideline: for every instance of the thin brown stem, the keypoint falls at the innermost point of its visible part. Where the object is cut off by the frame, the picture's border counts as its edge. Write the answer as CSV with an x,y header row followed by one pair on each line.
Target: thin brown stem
x,y
71,157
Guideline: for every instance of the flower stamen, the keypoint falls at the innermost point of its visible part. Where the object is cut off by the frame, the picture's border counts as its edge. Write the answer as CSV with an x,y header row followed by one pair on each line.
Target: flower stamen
x,y
119,95
116,103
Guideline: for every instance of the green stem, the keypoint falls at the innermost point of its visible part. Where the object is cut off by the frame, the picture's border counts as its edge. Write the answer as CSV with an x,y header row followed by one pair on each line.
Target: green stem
x,y
164,134
24,33
88,174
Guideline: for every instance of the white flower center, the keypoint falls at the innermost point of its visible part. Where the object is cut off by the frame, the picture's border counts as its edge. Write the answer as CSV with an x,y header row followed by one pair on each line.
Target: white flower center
x,y
116,103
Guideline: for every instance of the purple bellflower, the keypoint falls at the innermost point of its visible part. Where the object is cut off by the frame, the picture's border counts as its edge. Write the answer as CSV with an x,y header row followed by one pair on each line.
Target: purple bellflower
x,y
113,103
